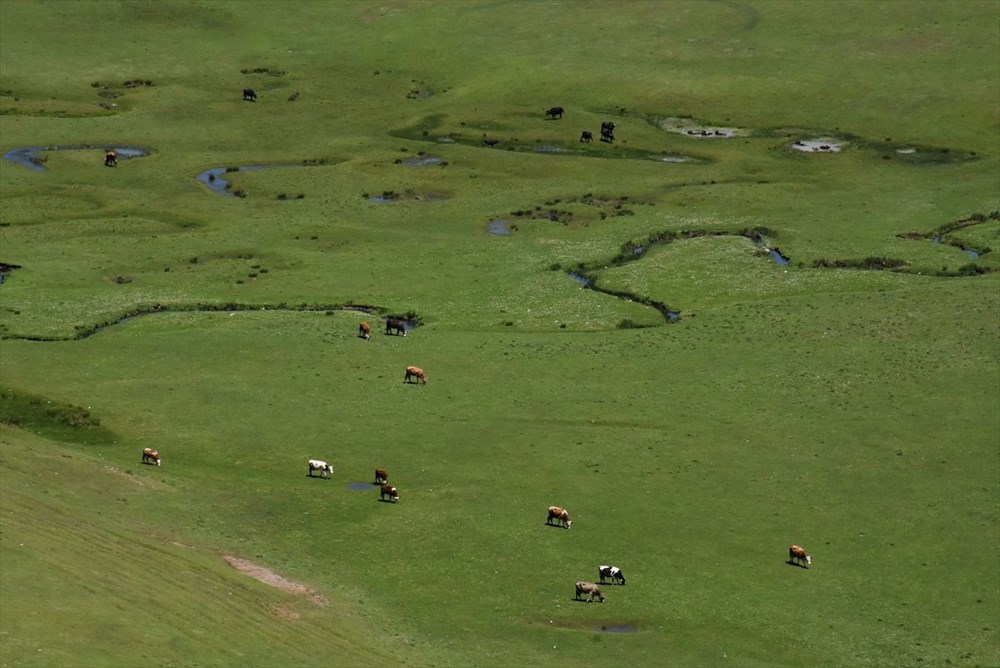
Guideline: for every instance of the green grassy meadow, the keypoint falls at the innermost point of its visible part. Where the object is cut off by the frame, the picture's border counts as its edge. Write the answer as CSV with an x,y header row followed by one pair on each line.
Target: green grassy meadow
x,y
847,401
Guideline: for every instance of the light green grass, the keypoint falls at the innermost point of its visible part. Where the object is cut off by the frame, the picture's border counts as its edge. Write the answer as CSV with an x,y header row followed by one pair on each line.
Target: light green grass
x,y
852,412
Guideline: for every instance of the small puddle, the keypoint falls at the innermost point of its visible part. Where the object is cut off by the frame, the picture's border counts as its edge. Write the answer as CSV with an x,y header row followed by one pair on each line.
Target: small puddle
x,y
778,257
820,145
29,155
361,486
501,227
675,159
580,278
617,628
423,161
548,149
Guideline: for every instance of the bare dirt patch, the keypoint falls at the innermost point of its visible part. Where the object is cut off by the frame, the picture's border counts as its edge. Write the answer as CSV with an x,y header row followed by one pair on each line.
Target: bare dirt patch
x,y
269,577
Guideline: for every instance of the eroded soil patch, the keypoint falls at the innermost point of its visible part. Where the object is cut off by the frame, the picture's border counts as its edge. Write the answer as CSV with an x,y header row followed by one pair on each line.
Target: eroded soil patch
x,y
269,577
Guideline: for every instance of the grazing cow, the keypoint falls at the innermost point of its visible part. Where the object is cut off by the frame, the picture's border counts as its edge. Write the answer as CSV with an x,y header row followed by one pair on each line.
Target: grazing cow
x,y
797,555
554,112
586,136
612,573
150,456
365,331
607,136
317,465
381,476
392,324
415,372
111,159
607,125
557,513
249,95
589,588
388,490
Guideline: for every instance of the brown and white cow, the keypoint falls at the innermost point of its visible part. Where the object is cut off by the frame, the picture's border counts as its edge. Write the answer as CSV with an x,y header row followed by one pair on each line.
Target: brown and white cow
x,y
365,331
381,476
560,514
388,490
797,555
589,588
150,456
111,159
415,372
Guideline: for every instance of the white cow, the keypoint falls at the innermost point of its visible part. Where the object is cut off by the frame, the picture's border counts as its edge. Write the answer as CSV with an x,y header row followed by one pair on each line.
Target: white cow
x,y
318,465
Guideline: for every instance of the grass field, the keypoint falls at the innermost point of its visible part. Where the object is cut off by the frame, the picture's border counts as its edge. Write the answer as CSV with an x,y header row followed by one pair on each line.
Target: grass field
x,y
846,399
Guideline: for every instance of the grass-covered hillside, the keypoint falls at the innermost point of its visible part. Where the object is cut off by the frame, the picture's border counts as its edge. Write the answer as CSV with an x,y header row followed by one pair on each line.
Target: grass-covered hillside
x,y
766,313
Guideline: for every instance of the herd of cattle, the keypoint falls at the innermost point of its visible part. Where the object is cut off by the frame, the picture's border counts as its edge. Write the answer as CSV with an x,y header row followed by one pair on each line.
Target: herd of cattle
x,y
393,326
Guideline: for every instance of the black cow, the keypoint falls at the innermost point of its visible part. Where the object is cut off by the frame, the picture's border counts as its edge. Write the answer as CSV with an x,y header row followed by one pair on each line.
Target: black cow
x,y
393,325
586,136
607,135
554,112
249,95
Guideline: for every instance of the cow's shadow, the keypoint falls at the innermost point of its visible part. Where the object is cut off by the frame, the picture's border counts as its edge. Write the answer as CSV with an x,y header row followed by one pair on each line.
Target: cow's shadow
x,y
316,477
386,501
554,526
584,600
796,563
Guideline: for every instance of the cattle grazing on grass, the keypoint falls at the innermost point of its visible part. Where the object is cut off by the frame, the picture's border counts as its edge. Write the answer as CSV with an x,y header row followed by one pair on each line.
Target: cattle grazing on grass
x,y
150,456
586,136
387,490
249,95
588,588
381,476
111,159
554,112
612,573
365,331
415,372
559,514
318,465
393,325
796,555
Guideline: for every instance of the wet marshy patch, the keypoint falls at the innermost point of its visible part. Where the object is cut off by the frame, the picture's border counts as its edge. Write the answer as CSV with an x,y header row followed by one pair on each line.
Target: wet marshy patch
x,y
818,145
430,130
690,127
574,210
212,178
360,486
411,320
390,196
33,157
5,270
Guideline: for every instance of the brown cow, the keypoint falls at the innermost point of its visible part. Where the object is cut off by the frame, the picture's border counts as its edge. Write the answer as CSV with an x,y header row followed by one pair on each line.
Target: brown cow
x,y
415,372
150,456
797,555
557,513
365,331
381,476
390,491
589,588
111,159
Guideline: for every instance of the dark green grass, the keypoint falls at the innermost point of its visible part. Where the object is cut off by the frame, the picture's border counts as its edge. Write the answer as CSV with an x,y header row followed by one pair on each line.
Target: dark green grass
x,y
851,411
